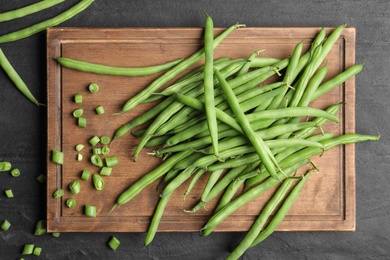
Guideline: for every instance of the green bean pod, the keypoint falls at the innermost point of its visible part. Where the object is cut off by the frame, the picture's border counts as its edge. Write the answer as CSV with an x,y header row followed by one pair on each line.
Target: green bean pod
x,y
27,10
113,70
31,30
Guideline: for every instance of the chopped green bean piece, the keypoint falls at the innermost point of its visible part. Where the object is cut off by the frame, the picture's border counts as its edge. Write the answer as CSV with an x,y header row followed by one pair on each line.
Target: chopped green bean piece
x,y
98,181
15,172
105,150
56,234
75,187
70,203
106,171
79,157
85,175
105,139
5,166
94,140
78,112
90,210
5,225
93,87
57,157
58,193
99,110
28,249
111,161
41,178
82,122
78,98
114,243
40,228
79,147
9,193
96,160
97,150
37,251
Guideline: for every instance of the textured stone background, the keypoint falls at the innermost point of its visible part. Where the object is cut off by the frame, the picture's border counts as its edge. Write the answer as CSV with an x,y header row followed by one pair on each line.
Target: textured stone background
x,y
22,131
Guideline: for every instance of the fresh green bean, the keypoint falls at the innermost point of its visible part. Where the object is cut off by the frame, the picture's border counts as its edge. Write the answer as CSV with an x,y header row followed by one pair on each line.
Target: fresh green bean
x,y
211,181
28,249
312,86
169,75
5,225
37,251
196,177
154,223
282,211
5,166
150,177
257,226
114,243
98,181
94,140
9,193
258,143
78,98
78,112
99,110
247,65
90,210
259,62
58,193
151,113
111,161
16,79
15,172
31,30
40,227
114,70
75,187
177,181
105,171
82,122
57,157
97,160
337,80
27,10
85,175
71,203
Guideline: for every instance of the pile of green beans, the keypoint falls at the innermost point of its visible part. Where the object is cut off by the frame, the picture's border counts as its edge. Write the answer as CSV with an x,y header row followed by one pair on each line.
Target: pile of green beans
x,y
223,120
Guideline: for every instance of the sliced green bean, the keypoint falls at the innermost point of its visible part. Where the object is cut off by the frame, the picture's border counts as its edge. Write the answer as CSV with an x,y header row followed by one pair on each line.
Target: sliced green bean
x,y
93,87
57,157
15,172
85,175
28,249
58,193
75,187
82,122
40,227
112,161
90,210
70,203
99,110
78,98
5,166
27,10
31,30
5,225
98,181
37,251
9,193
114,70
16,79
114,243
97,160
170,74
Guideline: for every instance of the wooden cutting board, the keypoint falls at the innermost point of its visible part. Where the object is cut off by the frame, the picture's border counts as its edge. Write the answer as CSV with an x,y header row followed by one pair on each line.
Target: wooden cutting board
x,y
327,202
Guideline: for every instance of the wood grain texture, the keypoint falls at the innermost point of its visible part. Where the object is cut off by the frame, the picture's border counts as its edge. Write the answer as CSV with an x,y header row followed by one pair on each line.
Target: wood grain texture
x,y
326,203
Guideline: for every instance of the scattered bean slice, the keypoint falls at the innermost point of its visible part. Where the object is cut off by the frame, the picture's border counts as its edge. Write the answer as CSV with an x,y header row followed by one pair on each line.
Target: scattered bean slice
x,y
71,203
114,243
5,225
93,87
90,210
15,172
9,193
58,193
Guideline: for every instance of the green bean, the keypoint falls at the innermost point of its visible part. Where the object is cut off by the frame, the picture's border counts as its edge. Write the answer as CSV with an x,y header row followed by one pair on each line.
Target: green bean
x,y
58,193
94,140
27,10
177,181
111,161
28,31
71,203
5,225
99,110
114,243
258,143
259,62
16,79
85,175
78,98
5,166
282,211
211,181
241,200
247,65
150,114
82,122
57,157
153,226
150,177
40,227
292,112
75,187
257,226
28,249
9,193
164,116
114,70
196,177
105,171
90,210
97,160
37,251
157,141
15,172
337,80
169,75
105,139
98,181
312,86
78,112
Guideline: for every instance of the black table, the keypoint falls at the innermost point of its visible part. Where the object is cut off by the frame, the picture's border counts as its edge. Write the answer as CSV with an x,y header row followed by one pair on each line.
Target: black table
x,y
23,131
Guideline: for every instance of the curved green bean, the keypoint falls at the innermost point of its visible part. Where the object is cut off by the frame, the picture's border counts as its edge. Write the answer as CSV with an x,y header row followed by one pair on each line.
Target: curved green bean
x,y
28,31
16,79
27,10
114,70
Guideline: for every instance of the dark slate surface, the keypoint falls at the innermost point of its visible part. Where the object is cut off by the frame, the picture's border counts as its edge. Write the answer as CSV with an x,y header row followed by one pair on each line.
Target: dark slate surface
x,y
23,127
